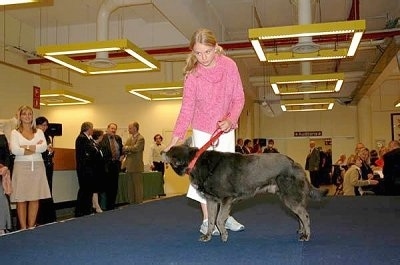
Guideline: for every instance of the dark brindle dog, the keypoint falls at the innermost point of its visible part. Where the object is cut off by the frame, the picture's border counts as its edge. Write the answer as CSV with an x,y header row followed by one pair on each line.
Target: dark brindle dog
x,y
228,177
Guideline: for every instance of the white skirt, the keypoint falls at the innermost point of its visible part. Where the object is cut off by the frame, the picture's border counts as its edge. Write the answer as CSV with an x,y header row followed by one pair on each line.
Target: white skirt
x,y
225,143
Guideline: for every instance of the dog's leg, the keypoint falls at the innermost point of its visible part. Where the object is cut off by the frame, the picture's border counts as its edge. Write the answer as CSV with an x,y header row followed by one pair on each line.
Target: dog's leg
x,y
212,209
298,208
223,213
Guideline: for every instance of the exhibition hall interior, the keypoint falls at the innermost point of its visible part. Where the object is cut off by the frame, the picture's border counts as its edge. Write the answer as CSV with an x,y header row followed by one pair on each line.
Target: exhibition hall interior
x,y
323,73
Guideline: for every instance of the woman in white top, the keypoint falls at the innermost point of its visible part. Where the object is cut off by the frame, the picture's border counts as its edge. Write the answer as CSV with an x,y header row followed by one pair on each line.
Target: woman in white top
x,y
29,180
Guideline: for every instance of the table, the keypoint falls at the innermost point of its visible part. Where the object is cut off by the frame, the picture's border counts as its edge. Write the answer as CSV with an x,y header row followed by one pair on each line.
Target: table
x,y
152,186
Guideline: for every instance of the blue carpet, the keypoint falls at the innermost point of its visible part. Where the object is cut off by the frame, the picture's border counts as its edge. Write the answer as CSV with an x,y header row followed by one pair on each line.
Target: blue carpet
x,y
356,230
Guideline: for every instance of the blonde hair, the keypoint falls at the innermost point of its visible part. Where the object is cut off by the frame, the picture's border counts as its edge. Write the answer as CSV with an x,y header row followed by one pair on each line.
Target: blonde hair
x,y
202,36
353,159
19,123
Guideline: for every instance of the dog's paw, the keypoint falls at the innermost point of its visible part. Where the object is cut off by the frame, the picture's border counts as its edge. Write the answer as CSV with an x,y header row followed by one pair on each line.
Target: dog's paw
x,y
205,238
304,237
224,237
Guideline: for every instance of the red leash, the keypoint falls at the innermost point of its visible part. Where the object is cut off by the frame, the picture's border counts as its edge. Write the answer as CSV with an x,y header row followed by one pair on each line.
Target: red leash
x,y
217,133
202,149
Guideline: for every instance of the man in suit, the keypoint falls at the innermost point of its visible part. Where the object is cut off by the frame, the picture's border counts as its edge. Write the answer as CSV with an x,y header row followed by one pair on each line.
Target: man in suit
x,y
239,146
270,147
133,149
85,155
312,164
391,169
247,148
111,146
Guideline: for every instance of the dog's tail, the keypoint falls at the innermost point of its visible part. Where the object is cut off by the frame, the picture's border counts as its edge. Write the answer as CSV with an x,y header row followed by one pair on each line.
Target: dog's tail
x,y
317,194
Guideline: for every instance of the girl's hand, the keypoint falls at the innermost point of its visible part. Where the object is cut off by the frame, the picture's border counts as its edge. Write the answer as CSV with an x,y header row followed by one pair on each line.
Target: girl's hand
x,y
225,125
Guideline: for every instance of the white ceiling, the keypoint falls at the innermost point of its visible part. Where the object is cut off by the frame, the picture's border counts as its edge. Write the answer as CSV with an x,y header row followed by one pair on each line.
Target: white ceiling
x,y
230,20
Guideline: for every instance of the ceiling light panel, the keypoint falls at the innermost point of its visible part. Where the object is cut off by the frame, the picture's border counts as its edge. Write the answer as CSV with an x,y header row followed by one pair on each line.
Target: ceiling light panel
x,y
355,28
302,105
157,91
16,2
63,55
60,97
307,84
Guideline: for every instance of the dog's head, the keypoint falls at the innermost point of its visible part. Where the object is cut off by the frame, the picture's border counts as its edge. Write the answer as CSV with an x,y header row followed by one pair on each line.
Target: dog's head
x,y
179,157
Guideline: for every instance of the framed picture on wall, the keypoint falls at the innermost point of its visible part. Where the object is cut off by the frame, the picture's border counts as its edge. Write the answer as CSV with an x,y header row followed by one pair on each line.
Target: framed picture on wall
x,y
395,120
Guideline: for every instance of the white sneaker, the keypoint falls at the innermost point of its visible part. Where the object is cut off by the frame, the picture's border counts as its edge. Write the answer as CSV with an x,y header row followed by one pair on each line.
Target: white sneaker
x,y
204,228
233,225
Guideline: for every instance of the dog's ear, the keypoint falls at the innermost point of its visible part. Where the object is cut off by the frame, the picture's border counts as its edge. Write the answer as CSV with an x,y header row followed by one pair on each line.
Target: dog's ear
x,y
188,141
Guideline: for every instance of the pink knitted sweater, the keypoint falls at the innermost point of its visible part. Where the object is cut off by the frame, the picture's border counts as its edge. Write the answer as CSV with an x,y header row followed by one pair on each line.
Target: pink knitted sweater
x,y
209,95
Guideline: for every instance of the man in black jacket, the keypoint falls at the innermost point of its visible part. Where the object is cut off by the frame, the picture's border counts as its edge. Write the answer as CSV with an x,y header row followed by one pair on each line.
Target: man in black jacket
x,y
111,146
85,155
391,169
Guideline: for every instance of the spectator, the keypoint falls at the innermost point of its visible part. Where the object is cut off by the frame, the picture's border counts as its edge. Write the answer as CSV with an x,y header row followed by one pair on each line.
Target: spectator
x,y
366,170
391,168
352,177
270,147
379,162
47,211
156,163
86,154
133,150
256,147
29,180
239,146
341,160
358,147
5,185
111,146
374,156
99,170
247,147
313,163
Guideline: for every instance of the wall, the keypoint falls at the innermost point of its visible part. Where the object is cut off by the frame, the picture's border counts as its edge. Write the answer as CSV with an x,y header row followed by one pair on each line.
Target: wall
x,y
340,124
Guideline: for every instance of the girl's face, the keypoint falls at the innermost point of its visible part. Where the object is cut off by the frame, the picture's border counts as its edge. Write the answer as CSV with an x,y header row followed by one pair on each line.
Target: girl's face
x,y
26,116
358,162
205,54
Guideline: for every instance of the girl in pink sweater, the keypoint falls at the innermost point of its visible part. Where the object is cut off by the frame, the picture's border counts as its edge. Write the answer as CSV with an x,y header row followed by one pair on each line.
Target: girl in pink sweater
x,y
213,99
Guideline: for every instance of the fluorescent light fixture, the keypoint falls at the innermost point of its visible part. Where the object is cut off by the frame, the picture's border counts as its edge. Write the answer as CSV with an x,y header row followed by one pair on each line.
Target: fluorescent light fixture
x,y
307,105
61,54
157,91
16,2
354,27
306,84
62,97
397,104
313,56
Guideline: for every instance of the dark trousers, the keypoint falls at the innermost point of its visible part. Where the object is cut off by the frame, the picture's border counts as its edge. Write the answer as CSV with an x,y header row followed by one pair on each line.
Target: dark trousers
x,y
47,211
391,186
85,194
314,176
111,183
159,166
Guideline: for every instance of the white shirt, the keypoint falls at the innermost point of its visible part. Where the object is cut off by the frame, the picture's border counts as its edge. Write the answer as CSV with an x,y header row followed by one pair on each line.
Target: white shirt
x,y
17,140
155,152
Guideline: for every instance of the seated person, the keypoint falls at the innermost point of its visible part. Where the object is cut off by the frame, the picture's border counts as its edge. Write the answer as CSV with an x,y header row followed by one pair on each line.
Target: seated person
x,y
270,147
352,178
